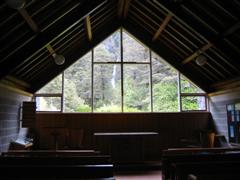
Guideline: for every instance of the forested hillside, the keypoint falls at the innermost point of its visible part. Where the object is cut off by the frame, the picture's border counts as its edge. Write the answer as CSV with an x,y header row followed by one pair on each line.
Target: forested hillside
x,y
125,75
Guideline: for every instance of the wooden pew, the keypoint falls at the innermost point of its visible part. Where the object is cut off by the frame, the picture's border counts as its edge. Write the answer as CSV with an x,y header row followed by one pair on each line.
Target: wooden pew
x,y
207,170
56,167
38,153
179,163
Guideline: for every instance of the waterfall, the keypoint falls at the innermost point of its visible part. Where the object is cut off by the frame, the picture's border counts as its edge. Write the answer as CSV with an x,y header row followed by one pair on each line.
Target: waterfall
x,y
113,81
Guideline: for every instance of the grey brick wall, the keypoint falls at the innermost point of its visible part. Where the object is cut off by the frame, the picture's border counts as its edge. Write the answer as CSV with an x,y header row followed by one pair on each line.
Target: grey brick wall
x,y
218,109
10,103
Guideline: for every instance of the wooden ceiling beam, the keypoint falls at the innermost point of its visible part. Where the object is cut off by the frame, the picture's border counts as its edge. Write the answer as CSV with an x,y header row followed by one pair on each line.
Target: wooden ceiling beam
x,y
231,30
123,6
162,26
50,49
196,53
34,45
88,28
207,46
73,54
126,8
227,84
29,20
170,56
120,8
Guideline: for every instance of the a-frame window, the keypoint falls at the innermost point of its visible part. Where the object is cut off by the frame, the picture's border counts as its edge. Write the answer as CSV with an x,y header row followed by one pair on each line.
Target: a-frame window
x,y
120,75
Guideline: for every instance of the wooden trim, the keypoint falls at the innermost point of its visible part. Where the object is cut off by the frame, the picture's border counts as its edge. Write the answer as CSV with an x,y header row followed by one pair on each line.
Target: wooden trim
x,y
28,48
29,20
220,92
225,87
50,49
120,8
227,83
196,53
14,89
126,7
88,28
162,26
193,94
207,46
17,82
48,95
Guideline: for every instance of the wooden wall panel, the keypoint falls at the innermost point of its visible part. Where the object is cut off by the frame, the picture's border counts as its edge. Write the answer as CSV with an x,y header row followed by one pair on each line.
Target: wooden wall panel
x,y
10,103
170,126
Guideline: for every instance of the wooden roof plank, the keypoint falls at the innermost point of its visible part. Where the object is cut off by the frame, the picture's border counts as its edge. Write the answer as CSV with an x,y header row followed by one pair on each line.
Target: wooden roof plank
x,y
162,26
88,28
29,20
168,55
75,53
43,38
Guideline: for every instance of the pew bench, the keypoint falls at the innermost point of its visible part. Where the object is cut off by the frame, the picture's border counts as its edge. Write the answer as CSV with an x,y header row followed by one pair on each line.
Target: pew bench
x,y
180,162
40,153
56,167
207,170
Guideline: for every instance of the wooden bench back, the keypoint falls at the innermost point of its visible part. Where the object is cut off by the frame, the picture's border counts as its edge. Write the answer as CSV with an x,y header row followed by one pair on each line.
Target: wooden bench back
x,y
62,167
40,153
179,163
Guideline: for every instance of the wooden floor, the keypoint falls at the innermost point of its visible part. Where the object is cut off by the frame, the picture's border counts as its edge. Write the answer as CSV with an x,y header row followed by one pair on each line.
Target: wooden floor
x,y
139,175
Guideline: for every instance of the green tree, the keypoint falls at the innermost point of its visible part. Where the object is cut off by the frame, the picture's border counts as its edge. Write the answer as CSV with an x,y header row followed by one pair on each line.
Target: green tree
x,y
165,99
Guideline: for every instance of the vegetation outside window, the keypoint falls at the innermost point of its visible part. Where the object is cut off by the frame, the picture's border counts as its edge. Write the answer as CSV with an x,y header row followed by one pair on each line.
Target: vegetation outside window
x,y
120,75
78,85
192,97
136,88
107,88
49,98
165,86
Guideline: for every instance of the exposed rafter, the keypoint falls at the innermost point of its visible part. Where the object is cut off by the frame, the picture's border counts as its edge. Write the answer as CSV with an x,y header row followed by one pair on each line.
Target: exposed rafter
x,y
232,29
15,83
166,54
120,8
123,6
50,49
29,20
88,28
126,8
207,46
196,53
177,30
69,20
162,26
74,53
227,84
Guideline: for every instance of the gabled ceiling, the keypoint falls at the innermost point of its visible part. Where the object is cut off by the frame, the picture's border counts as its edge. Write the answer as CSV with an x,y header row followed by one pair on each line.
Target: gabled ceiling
x,y
177,30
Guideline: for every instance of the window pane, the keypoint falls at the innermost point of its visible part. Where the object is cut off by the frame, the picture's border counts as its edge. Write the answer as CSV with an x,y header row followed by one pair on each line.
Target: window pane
x,y
55,86
134,51
48,103
109,49
193,103
189,87
136,88
165,87
107,88
77,86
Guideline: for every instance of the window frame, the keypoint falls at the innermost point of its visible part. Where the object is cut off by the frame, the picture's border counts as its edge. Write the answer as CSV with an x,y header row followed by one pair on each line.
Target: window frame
x,y
181,95
51,95
122,63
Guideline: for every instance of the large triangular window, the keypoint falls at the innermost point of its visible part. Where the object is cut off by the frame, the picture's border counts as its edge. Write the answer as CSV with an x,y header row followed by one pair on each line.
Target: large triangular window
x,y
121,75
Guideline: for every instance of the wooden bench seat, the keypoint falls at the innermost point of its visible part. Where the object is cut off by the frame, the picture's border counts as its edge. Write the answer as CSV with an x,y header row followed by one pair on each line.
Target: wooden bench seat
x,y
206,170
179,163
50,153
60,167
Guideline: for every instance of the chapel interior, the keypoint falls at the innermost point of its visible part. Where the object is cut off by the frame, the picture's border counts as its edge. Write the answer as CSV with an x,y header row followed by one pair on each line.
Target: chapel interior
x,y
90,89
